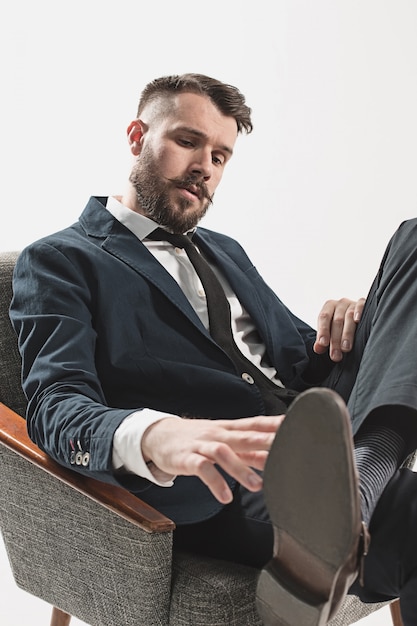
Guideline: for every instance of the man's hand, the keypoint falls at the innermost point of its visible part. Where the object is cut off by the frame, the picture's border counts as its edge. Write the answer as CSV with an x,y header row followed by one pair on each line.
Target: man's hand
x,y
336,326
192,447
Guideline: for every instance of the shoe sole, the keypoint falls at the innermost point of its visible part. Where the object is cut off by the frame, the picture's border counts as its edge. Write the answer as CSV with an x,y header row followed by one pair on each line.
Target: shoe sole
x,y
310,488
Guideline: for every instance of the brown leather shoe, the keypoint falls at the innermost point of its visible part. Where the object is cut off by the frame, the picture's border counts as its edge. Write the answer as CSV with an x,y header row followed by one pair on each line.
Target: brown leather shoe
x,y
312,495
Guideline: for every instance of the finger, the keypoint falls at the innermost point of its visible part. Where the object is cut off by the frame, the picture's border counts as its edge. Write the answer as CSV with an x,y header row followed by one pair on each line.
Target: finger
x,y
223,456
349,329
352,317
324,322
212,478
259,423
255,460
342,329
359,309
247,441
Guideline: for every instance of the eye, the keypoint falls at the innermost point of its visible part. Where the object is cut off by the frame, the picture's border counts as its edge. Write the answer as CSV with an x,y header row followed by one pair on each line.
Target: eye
x,y
218,160
186,143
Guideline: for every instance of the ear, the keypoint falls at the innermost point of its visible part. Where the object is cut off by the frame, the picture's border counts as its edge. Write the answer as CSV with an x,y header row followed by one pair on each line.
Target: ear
x,y
135,132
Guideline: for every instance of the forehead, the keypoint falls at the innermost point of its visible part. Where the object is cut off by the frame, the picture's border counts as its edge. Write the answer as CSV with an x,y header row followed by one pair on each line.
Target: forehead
x,y
196,112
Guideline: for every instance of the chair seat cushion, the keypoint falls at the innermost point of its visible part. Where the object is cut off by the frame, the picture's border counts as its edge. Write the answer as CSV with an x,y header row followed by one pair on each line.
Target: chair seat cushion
x,y
209,592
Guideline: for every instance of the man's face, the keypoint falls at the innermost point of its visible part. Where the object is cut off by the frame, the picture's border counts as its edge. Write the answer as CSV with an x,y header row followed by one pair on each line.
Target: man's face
x,y
181,156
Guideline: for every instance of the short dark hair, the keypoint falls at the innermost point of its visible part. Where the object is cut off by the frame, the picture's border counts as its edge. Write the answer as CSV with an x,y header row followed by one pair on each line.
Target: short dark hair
x,y
228,99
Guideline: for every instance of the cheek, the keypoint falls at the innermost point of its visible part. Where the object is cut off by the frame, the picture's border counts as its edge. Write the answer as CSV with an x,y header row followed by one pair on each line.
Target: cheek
x,y
170,162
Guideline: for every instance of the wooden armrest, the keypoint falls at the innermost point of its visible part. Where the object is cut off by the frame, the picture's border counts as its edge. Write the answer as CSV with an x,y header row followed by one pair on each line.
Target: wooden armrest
x,y
13,435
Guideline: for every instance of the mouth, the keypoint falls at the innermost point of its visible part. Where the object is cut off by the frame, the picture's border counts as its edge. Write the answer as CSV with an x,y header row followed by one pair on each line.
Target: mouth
x,y
191,190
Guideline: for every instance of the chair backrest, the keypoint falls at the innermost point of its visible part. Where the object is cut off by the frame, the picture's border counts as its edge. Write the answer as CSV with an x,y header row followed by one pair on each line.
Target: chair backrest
x,y
11,392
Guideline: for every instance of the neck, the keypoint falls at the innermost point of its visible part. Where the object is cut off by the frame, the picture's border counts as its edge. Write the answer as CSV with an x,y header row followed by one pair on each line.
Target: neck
x,y
130,200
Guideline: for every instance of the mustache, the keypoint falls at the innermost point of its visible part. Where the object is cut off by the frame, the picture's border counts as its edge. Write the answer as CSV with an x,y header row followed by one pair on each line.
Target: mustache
x,y
191,180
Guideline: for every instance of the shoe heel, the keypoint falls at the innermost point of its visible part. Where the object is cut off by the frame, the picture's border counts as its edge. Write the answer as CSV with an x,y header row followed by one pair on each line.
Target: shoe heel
x,y
290,610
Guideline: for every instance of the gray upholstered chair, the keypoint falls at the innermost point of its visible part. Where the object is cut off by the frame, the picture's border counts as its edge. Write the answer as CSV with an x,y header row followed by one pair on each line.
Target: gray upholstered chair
x,y
97,552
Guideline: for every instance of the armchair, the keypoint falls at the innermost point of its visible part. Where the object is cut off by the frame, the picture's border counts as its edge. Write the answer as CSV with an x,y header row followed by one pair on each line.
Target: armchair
x,y
97,552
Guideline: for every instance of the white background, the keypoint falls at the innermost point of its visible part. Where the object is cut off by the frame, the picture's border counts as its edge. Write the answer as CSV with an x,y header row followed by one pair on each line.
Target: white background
x,y
313,194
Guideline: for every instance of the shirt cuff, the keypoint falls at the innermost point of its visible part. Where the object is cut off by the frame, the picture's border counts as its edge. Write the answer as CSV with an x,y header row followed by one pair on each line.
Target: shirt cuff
x,y
127,450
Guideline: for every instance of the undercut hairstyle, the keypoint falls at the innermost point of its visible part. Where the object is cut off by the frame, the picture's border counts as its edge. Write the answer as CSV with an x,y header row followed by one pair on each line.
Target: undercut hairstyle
x,y
228,99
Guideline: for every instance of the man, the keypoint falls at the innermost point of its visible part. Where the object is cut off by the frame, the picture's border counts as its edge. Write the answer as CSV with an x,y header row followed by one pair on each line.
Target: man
x,y
138,375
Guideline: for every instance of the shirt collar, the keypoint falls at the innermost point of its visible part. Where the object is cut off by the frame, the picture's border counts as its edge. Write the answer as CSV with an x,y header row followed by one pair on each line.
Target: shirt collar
x,y
138,224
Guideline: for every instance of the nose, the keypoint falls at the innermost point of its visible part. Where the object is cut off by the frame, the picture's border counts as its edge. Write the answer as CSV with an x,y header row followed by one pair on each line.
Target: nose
x,y
203,164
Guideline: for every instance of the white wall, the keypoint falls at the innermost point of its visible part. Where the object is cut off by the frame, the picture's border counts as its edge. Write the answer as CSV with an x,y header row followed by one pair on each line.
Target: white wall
x,y
329,171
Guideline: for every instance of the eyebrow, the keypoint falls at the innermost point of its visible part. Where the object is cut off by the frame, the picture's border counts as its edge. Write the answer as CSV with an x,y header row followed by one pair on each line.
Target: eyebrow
x,y
198,133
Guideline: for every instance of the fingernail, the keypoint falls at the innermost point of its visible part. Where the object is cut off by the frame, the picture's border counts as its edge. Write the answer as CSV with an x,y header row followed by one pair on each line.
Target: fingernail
x,y
227,496
254,480
346,345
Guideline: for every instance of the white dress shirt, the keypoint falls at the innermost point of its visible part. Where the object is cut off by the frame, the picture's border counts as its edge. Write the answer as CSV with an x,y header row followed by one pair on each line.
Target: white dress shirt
x,y
127,455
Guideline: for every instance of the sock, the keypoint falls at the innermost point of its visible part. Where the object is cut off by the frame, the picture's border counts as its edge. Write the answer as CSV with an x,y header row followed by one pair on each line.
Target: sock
x,y
379,452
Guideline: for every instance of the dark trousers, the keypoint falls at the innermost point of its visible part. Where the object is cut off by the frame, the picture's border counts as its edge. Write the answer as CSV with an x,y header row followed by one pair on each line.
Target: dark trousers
x,y
242,532
380,371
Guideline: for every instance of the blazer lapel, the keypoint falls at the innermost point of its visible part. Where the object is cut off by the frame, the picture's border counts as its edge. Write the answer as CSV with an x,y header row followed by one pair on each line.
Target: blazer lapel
x,y
119,241
126,247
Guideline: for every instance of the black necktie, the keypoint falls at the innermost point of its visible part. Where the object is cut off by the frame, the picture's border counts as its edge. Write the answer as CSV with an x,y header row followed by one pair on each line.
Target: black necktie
x,y
276,398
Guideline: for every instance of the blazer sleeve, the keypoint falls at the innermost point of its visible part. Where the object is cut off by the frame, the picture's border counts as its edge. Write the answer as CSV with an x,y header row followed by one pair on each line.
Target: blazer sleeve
x,y
68,416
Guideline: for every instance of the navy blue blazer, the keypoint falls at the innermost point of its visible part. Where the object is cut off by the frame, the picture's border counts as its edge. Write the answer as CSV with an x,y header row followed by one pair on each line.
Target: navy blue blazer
x,y
105,330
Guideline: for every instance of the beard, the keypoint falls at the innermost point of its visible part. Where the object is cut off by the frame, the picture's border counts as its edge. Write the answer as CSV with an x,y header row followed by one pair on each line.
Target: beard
x,y
153,195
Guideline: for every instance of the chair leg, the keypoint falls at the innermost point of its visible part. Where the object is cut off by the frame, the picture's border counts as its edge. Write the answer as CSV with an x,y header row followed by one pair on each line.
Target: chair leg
x,y
60,618
397,620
